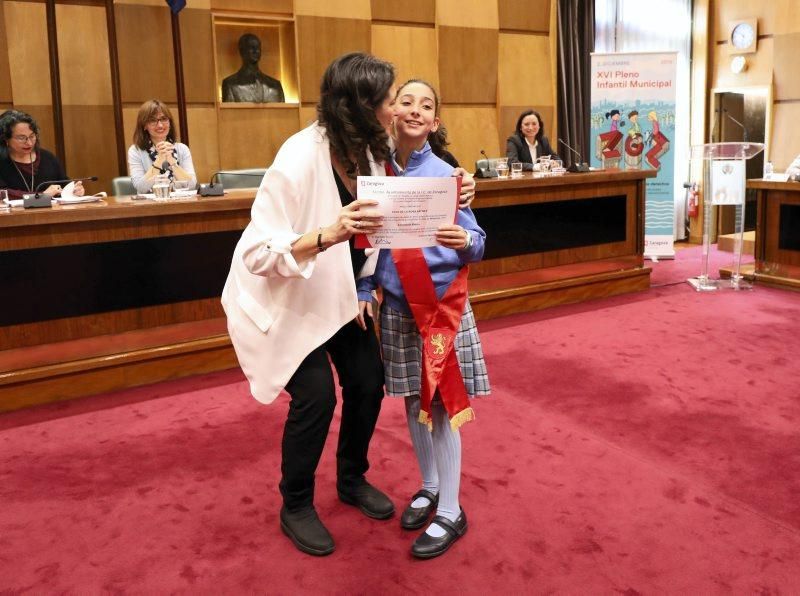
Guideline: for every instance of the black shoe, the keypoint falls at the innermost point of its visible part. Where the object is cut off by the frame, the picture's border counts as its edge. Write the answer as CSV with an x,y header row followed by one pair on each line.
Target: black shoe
x,y
306,531
414,518
369,499
427,547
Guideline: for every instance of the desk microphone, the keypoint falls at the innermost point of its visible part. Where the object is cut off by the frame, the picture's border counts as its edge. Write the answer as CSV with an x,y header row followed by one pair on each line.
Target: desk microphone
x,y
575,167
483,167
40,199
215,189
744,130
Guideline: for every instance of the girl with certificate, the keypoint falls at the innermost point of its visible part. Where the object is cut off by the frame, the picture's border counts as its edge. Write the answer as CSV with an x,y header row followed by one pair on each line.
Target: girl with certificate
x,y
432,353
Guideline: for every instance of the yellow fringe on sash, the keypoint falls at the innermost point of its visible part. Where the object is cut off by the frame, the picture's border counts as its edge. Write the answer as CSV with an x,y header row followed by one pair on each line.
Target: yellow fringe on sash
x,y
425,418
464,416
456,422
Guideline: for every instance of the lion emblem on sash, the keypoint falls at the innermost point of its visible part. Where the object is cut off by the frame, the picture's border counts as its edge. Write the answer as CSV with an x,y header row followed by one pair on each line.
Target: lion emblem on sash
x,y
438,341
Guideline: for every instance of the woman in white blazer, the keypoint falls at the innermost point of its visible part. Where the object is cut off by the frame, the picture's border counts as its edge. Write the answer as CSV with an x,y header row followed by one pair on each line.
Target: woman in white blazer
x,y
291,298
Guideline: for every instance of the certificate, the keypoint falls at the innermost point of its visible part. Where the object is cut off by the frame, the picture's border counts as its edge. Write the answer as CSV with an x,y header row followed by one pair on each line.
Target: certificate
x,y
412,209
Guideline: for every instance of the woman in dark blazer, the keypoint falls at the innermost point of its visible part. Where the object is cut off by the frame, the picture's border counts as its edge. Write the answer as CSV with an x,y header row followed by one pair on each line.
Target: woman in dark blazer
x,y
528,142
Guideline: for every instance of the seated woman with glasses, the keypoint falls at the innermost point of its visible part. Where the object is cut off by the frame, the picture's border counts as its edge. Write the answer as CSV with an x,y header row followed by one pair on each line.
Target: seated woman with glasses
x,y
24,165
155,150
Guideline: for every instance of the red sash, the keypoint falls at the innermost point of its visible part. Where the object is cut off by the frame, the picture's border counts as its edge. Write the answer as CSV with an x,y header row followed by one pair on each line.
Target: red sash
x,y
438,322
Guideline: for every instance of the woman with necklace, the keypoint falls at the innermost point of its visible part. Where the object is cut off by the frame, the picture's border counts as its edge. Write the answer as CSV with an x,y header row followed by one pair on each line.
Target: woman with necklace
x,y
24,165
155,149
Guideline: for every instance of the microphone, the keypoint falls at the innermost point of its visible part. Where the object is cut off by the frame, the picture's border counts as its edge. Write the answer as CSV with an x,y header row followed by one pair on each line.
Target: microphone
x,y
40,199
744,130
580,166
215,189
483,167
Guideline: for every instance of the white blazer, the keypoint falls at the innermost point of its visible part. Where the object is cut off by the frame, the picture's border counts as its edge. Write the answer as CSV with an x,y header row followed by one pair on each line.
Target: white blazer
x,y
279,310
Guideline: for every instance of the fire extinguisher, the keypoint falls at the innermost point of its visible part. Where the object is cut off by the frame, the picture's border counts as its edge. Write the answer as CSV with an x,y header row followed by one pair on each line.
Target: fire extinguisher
x,y
692,200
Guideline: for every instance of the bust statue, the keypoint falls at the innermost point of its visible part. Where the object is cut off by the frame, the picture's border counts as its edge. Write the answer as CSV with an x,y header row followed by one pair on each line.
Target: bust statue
x,y
249,83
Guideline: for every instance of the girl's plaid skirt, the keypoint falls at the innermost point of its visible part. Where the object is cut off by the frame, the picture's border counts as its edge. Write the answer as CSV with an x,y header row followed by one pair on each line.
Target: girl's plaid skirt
x,y
402,353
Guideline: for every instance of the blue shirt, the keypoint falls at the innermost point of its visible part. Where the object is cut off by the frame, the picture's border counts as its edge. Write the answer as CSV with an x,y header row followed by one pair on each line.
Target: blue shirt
x,y
444,263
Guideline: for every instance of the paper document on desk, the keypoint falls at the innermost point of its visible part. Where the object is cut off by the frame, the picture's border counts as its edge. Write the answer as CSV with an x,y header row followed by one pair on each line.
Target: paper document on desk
x,y
68,196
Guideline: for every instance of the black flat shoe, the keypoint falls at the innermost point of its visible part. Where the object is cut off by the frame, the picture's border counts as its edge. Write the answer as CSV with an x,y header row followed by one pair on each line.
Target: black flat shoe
x,y
372,502
305,529
414,518
427,547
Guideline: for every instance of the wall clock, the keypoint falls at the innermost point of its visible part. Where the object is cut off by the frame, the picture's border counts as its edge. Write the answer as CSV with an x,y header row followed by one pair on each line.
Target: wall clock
x,y
743,36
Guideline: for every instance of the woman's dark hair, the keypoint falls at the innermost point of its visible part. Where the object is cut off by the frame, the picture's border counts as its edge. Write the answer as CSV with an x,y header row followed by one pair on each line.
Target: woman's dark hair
x,y
438,138
353,87
150,109
8,120
612,113
522,117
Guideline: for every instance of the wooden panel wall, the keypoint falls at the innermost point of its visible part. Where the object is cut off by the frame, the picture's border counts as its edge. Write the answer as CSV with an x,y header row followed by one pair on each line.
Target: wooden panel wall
x,y
489,59
774,64
6,95
88,105
410,11
29,65
321,39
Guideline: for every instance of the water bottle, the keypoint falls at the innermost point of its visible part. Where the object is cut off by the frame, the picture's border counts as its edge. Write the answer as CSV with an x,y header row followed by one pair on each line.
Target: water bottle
x,y
768,170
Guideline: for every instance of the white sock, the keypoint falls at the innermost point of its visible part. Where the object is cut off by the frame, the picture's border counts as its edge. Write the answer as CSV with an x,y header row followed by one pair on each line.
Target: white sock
x,y
423,447
447,451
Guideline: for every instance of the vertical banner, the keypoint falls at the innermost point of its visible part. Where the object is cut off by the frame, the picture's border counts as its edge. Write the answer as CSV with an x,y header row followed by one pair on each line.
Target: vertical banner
x,y
633,124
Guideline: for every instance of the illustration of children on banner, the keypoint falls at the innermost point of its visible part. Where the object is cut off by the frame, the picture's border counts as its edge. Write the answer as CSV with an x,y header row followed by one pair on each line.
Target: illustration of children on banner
x,y
634,143
606,143
658,142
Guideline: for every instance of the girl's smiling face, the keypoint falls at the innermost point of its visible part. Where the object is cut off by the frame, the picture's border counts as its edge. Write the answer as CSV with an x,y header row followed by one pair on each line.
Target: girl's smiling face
x,y
415,112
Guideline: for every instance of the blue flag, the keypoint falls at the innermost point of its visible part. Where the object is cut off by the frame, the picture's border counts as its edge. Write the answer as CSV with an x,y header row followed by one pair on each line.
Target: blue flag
x,y
176,5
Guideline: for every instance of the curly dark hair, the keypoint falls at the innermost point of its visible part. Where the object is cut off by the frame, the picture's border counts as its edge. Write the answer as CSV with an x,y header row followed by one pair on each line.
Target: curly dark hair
x,y
8,120
353,87
522,117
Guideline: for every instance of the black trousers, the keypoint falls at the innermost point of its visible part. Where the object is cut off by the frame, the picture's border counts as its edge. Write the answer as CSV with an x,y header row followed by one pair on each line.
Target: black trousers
x,y
356,355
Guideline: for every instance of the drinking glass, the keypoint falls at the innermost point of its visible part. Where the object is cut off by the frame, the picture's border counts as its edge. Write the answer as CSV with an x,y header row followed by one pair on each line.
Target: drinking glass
x,y
502,167
557,167
544,165
161,186
516,169
4,205
182,186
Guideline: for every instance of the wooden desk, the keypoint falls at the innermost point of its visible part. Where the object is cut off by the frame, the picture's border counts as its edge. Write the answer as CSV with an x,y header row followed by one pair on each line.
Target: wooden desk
x,y
777,233
103,296
558,240
115,294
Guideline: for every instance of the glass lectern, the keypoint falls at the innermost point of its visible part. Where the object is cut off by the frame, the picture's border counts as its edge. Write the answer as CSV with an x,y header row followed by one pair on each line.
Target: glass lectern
x,y
723,184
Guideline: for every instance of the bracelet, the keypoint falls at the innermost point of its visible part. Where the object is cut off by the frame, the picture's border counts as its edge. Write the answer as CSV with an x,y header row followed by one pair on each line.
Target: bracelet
x,y
469,241
319,241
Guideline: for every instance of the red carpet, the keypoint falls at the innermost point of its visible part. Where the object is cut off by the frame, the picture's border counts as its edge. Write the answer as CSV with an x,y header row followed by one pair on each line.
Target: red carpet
x,y
688,263
641,444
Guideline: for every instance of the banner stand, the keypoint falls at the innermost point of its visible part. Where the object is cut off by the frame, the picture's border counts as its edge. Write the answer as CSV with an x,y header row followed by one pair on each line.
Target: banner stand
x,y
633,124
